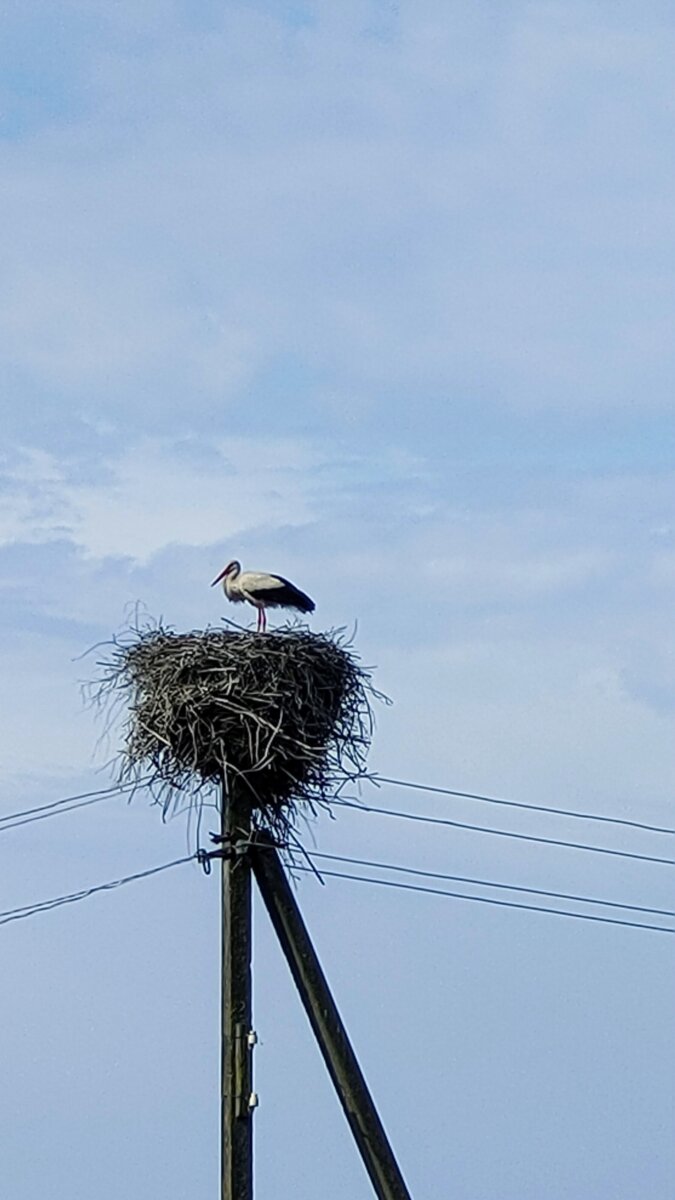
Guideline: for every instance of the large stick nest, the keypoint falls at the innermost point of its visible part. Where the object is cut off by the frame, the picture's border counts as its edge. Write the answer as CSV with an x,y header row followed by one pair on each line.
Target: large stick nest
x,y
285,715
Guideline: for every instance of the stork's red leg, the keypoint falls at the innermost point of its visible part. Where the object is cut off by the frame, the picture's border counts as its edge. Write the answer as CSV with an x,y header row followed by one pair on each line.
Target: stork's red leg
x,y
264,620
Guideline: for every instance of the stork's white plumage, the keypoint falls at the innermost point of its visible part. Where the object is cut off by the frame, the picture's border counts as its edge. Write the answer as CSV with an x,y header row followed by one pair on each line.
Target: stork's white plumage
x,y
262,591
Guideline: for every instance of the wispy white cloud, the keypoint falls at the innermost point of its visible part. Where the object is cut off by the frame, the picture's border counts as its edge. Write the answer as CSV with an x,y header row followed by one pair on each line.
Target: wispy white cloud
x,y
157,494
460,210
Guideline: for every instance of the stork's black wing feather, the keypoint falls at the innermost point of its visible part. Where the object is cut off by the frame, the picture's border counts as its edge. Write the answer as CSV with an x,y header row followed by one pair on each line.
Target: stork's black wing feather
x,y
285,596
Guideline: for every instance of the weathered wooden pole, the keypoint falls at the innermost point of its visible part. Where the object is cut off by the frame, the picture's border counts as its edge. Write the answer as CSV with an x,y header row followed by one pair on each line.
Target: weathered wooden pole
x,y
352,1089
237,1038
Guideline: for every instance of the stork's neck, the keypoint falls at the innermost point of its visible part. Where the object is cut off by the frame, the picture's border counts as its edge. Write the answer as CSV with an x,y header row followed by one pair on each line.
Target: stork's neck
x,y
230,583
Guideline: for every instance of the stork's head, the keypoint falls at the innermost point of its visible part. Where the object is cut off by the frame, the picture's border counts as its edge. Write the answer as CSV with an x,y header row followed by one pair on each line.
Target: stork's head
x,y
232,568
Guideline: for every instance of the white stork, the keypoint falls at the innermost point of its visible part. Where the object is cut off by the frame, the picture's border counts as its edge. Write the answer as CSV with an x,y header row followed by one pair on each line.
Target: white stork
x,y
262,591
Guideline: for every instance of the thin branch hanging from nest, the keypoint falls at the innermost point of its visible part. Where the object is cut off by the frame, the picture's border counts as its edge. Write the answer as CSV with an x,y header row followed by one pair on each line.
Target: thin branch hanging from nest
x,y
287,714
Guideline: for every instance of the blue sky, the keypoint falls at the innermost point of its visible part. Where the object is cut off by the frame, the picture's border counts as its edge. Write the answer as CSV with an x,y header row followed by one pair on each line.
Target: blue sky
x,y
381,297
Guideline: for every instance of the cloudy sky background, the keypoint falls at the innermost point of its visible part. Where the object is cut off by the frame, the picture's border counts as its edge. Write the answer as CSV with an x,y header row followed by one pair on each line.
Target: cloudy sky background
x,y
381,297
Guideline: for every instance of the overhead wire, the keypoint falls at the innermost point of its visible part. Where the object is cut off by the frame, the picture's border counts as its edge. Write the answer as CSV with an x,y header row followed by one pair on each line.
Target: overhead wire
x,y
84,799
361,806
558,912
511,887
81,800
55,808
31,910
562,812
56,812
99,794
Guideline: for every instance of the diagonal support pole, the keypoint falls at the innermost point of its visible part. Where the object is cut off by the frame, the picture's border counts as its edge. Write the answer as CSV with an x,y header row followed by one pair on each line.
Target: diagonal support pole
x,y
352,1089
237,1037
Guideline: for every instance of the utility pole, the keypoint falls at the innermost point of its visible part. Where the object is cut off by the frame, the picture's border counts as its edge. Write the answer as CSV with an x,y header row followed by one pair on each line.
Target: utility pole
x,y
357,1102
237,1100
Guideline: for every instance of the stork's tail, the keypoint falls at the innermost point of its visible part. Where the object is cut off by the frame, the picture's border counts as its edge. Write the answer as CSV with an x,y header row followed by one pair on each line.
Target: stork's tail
x,y
291,597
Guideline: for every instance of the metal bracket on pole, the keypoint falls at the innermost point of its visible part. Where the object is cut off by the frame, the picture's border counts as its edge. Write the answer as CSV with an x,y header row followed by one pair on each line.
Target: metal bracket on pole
x,y
245,1099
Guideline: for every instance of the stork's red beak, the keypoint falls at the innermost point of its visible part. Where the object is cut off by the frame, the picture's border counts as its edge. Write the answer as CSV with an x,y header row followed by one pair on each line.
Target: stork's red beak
x,y
218,578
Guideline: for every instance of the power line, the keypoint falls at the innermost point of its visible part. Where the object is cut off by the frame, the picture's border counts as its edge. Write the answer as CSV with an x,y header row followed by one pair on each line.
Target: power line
x,y
522,837
83,799
100,794
55,812
511,887
562,812
31,910
558,912
56,807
